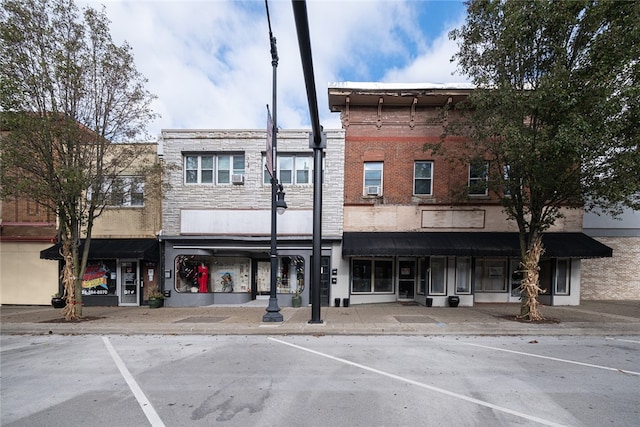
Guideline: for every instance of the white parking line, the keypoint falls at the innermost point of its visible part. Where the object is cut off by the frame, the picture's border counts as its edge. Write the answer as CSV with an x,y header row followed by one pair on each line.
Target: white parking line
x,y
144,403
423,385
573,362
623,340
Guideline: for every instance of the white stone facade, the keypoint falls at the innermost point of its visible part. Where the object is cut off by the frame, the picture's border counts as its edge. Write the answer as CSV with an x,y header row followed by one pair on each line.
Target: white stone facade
x,y
253,196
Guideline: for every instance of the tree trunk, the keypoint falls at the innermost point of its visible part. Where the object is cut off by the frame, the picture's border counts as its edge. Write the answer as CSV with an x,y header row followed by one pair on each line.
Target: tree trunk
x,y
529,307
72,284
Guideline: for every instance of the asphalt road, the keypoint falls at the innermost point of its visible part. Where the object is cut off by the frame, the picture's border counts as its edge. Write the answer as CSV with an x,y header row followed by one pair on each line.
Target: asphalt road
x,y
117,380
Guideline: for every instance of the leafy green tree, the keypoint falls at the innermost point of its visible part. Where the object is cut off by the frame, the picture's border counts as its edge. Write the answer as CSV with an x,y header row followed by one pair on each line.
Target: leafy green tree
x,y
69,98
555,111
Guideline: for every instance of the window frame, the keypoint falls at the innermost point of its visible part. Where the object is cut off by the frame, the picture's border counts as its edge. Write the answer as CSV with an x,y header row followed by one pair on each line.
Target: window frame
x,y
214,171
474,180
444,266
483,265
567,277
466,271
297,159
416,178
373,276
367,180
126,196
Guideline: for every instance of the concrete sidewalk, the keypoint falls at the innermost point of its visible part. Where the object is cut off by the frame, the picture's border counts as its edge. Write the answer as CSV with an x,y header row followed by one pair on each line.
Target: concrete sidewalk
x,y
590,318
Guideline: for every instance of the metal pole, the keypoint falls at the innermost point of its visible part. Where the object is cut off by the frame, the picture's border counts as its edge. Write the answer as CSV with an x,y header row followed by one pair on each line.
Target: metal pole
x,y
317,142
273,310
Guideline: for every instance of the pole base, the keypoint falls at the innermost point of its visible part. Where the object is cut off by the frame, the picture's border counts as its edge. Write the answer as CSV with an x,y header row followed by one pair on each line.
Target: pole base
x,y
273,312
315,322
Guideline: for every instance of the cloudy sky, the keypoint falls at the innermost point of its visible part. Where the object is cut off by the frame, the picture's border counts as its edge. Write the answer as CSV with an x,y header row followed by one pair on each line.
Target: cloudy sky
x,y
209,61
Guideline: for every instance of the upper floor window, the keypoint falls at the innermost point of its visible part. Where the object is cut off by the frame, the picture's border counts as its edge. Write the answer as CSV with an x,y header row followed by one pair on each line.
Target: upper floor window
x,y
423,178
373,178
212,168
478,175
125,191
292,169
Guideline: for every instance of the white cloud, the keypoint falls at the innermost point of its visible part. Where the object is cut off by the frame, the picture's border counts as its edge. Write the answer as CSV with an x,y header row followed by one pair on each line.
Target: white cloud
x,y
209,62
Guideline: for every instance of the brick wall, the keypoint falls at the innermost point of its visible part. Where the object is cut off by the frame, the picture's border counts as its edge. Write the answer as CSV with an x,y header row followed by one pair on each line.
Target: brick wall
x,y
398,142
616,278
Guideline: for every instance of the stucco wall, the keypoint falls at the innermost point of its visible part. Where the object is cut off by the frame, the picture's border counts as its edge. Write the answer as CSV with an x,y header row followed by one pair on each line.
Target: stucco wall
x,y
24,277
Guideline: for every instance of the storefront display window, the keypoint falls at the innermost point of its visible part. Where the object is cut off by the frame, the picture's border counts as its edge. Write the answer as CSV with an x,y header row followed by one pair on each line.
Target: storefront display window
x,y
99,278
463,275
563,274
372,276
201,274
438,284
490,275
290,274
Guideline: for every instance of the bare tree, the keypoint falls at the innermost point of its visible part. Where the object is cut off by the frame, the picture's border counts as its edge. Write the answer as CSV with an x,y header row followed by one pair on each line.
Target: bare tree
x,y
69,99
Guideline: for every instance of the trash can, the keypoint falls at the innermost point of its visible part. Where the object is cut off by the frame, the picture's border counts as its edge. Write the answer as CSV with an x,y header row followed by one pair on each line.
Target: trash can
x,y
454,301
429,302
345,302
336,302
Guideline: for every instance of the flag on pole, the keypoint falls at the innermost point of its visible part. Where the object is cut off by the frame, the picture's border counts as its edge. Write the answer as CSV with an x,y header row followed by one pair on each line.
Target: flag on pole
x,y
269,164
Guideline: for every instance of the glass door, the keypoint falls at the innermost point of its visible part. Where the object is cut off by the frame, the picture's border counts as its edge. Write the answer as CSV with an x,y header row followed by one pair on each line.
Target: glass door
x,y
406,279
129,283
263,278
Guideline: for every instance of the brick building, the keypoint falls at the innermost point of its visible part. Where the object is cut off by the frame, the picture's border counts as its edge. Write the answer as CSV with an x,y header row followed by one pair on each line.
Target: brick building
x,y
617,277
217,215
406,238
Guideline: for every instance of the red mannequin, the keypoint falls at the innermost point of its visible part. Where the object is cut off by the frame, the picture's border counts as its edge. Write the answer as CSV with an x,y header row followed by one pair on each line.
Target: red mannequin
x,y
203,278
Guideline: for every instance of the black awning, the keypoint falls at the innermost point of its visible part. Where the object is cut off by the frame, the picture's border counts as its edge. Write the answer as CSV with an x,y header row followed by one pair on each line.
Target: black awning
x,y
557,245
112,248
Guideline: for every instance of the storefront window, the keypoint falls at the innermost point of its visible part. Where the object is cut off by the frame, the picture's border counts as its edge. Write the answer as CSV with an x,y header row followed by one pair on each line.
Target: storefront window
x,y
372,276
438,284
290,274
463,275
490,275
99,278
200,274
562,277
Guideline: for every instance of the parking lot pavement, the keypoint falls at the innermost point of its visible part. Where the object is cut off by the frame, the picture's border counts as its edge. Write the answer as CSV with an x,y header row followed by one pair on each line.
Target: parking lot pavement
x,y
589,318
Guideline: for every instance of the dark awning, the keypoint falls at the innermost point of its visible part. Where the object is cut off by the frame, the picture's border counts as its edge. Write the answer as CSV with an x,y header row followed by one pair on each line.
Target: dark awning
x,y
557,245
112,248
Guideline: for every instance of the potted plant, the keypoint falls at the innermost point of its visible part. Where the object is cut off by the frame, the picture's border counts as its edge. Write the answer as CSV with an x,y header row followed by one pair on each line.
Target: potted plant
x,y
156,298
296,300
58,301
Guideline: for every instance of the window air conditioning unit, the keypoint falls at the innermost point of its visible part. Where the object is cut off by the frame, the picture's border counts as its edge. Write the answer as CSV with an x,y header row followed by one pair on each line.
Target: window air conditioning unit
x,y
373,190
237,179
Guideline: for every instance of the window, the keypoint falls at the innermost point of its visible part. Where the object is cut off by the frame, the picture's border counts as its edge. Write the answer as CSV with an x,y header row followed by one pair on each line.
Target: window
x,y
563,274
202,169
463,275
490,275
124,191
422,178
438,282
478,174
292,169
372,276
205,274
373,178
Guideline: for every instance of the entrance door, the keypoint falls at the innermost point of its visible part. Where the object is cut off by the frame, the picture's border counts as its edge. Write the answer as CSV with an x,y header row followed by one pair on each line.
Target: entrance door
x,y
406,279
129,283
263,278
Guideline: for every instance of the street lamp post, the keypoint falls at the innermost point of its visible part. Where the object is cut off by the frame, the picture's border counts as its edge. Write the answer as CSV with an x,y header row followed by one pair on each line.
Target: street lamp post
x,y
278,205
